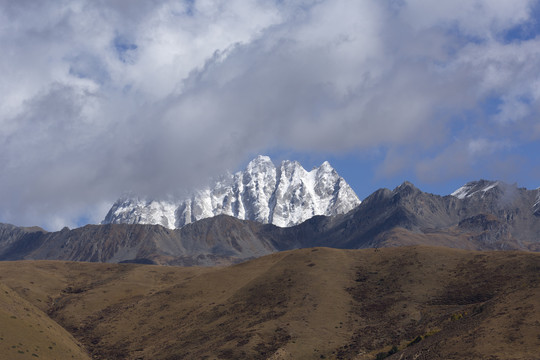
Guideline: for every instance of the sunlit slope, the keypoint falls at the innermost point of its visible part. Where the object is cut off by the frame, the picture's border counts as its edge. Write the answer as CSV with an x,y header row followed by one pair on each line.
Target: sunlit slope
x,y
428,303
28,333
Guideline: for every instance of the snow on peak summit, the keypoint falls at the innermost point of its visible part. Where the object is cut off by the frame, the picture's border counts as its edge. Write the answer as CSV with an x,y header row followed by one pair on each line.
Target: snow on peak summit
x,y
474,187
260,164
285,196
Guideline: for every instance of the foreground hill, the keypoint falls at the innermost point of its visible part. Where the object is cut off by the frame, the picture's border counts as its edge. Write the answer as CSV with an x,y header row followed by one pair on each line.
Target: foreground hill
x,y
404,303
26,332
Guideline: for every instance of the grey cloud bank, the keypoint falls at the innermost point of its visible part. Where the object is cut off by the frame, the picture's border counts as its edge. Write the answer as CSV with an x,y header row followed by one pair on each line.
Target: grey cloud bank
x,y
103,97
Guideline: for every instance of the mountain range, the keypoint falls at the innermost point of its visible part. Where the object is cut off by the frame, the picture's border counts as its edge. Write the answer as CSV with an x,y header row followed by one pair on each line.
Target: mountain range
x,y
482,215
284,196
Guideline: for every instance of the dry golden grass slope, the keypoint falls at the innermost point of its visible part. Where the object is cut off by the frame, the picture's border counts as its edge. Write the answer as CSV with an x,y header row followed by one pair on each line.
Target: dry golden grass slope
x,y
426,302
28,333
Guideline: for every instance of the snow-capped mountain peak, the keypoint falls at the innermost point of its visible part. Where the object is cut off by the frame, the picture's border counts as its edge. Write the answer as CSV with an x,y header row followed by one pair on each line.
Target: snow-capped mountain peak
x,y
261,164
286,195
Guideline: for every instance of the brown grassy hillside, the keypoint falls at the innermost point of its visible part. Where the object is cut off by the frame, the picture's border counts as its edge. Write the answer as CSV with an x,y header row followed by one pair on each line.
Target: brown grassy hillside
x,y
28,333
427,303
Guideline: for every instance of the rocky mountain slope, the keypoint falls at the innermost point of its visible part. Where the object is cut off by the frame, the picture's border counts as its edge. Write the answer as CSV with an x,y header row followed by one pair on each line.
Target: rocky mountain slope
x,y
501,217
482,215
213,241
404,303
284,196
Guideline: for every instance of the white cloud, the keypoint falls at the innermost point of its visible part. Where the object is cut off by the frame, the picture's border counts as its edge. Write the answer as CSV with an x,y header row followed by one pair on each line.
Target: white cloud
x,y
101,97
477,18
482,146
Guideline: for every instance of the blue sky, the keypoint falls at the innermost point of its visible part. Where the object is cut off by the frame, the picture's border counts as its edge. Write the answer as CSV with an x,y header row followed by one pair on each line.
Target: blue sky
x,y
104,97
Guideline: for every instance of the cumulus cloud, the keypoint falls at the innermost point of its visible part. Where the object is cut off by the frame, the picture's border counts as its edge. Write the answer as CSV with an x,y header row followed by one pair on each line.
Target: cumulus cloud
x,y
102,97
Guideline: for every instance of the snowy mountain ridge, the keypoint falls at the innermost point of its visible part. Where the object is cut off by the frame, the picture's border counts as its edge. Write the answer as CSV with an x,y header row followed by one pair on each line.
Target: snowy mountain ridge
x,y
474,187
284,196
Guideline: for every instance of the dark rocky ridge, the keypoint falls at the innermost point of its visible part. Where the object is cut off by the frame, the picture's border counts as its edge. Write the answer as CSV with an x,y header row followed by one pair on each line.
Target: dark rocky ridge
x,y
218,240
501,217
